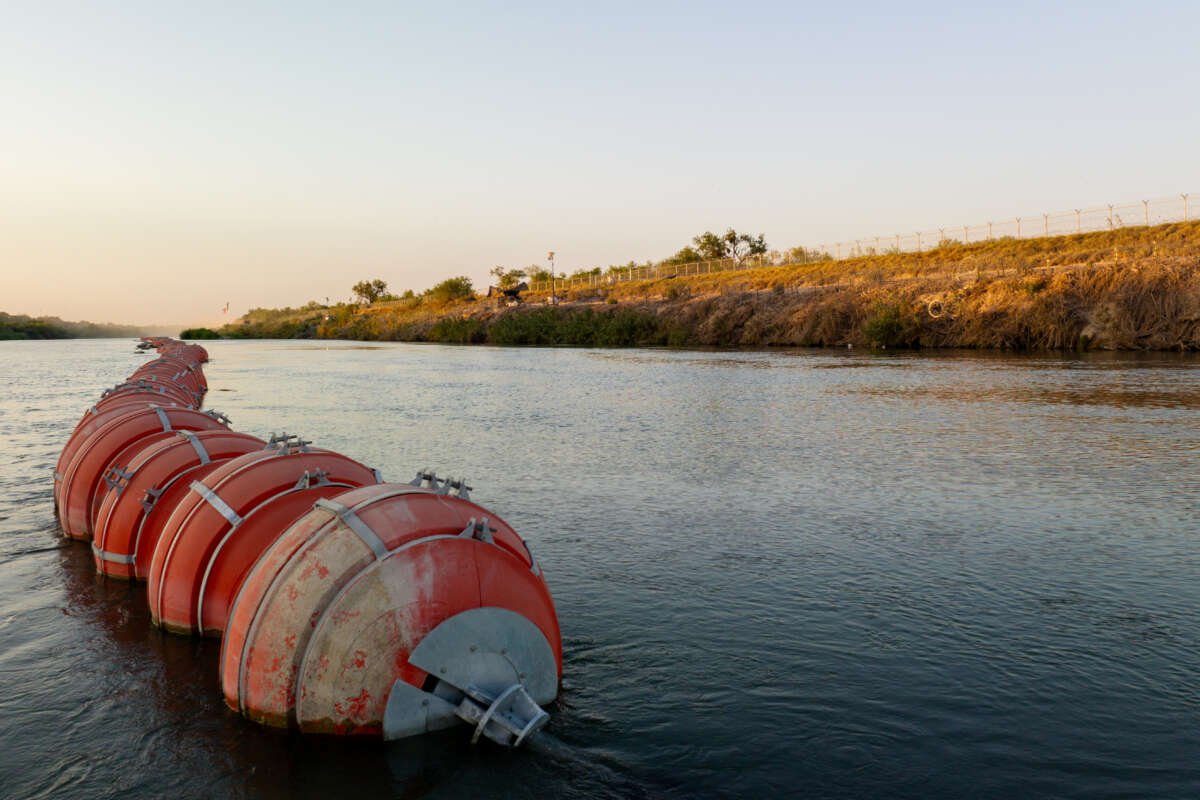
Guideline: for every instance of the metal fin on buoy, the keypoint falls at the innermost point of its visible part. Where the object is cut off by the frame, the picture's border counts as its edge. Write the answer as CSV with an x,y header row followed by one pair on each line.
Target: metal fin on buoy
x,y
493,667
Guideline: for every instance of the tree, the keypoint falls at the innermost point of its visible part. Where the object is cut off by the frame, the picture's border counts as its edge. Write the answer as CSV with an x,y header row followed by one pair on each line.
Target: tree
x,y
458,288
685,256
508,278
369,291
732,244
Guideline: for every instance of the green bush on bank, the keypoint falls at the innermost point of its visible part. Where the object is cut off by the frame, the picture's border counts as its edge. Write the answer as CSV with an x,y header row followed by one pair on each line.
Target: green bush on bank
x,y
586,328
199,333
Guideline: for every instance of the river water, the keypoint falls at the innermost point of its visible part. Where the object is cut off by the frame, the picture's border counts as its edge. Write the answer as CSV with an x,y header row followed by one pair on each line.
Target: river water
x,y
787,573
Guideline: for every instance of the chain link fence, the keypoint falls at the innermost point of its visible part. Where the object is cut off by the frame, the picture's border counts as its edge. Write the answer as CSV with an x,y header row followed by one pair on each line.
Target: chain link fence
x,y
1079,220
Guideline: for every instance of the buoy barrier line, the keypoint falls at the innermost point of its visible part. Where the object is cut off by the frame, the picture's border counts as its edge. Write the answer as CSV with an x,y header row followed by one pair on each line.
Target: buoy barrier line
x,y
113,439
355,589
122,521
226,567
190,537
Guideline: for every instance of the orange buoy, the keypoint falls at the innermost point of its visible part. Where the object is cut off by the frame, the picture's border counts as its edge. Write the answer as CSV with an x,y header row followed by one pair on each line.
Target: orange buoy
x,y
168,373
156,388
93,419
324,629
82,476
249,485
123,543
196,353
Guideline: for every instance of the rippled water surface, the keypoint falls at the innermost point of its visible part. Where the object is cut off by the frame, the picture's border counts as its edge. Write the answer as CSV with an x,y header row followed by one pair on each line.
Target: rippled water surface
x,y
804,573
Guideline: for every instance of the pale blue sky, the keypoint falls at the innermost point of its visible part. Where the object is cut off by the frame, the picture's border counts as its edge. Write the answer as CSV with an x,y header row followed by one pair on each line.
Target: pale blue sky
x,y
158,159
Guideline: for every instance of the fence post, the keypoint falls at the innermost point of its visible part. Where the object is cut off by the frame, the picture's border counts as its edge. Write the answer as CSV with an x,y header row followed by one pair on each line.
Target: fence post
x,y
1018,227
1078,223
1146,206
989,231
897,243
1110,216
839,249
1045,224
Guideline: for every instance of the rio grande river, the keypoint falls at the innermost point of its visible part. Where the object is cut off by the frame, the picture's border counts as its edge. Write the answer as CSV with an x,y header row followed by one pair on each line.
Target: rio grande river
x,y
791,573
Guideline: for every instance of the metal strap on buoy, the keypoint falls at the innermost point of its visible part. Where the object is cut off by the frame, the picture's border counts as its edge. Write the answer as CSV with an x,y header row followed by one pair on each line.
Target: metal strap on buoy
x,y
214,500
197,445
354,523
162,417
116,558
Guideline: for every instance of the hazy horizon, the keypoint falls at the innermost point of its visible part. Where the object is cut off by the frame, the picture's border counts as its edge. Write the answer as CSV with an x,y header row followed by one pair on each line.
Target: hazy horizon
x,y
160,162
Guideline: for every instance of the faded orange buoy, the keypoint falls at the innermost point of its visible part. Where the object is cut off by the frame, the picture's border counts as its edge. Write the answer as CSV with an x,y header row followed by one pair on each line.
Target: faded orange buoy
x,y
324,630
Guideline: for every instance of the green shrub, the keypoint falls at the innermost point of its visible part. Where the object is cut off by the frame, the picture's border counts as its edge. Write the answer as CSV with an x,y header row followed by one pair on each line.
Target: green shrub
x,y
457,331
199,333
457,288
889,326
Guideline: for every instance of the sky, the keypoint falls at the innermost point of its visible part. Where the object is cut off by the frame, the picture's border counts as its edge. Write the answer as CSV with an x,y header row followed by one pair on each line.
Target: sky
x,y
160,159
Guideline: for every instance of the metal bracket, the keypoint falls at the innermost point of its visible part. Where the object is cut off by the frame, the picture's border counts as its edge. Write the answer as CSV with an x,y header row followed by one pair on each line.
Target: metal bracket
x,y
218,416
115,477
318,477
478,530
428,479
151,497
507,719
288,442
533,564
457,488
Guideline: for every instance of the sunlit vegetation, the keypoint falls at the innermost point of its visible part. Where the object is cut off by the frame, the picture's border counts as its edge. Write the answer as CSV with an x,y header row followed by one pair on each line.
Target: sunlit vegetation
x,y
1131,288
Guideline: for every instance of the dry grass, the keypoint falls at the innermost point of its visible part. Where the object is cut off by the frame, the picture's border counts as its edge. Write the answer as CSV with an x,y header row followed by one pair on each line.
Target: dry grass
x,y
1131,289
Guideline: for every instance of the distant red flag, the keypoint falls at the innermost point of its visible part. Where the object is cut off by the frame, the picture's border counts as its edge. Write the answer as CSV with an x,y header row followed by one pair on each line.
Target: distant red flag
x,y
225,310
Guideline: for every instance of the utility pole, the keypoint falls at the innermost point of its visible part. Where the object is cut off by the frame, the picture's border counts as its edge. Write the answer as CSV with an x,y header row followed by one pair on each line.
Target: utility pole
x,y
553,294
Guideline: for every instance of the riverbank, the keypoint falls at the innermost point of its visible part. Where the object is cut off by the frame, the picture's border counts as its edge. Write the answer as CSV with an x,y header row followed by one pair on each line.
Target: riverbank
x,y
1129,289
20,326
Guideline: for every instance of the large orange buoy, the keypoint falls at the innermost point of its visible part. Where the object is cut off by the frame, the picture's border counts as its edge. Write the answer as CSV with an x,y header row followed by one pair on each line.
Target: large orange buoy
x,y
250,485
116,471
82,477
195,352
94,419
120,545
156,388
177,369
189,379
327,629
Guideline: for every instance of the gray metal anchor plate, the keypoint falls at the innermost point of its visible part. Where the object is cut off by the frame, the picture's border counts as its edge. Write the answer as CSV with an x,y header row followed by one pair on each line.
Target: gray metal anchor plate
x,y
481,653
461,651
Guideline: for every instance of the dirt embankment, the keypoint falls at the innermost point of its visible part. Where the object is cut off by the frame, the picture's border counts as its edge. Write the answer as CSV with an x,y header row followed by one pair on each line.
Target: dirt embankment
x,y
1130,289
